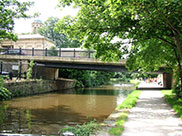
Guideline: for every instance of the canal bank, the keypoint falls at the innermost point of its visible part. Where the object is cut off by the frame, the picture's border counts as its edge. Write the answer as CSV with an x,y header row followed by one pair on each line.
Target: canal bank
x,y
32,87
46,114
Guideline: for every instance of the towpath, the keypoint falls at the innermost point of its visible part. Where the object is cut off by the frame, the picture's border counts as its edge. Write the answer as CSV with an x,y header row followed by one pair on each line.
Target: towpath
x,y
152,116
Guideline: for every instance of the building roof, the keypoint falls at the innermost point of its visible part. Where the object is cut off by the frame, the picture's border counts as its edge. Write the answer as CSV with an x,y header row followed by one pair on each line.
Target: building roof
x,y
76,49
37,21
31,36
34,36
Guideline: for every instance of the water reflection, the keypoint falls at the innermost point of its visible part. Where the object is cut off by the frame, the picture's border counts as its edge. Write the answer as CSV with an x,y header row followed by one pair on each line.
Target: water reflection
x,y
46,114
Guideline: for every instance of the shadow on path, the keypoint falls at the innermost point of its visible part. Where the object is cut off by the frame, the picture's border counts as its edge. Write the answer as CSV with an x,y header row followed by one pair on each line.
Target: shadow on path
x,y
152,116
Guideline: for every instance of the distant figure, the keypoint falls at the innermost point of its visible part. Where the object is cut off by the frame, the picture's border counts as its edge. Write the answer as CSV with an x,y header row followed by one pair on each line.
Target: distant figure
x,y
25,75
10,75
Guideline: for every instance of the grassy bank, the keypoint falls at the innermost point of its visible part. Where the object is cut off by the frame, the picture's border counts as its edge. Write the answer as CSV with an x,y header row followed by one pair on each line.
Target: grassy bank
x,y
81,130
174,101
129,102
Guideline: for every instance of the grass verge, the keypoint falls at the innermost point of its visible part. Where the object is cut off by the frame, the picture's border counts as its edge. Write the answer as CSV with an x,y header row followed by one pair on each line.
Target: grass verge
x,y
174,101
128,103
81,130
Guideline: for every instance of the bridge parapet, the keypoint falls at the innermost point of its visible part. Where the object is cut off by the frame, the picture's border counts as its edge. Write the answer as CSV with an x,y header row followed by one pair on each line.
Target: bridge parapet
x,y
70,53
56,59
51,60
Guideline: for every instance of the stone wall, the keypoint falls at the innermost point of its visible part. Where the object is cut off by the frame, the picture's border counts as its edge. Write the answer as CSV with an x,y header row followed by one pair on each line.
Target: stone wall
x,y
62,83
26,88
47,73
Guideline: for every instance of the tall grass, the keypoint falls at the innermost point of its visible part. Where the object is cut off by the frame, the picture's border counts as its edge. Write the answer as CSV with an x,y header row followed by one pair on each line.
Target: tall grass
x,y
81,130
174,101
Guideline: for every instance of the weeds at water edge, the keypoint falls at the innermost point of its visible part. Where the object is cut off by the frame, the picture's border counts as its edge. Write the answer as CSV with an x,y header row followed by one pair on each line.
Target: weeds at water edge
x,y
129,102
82,130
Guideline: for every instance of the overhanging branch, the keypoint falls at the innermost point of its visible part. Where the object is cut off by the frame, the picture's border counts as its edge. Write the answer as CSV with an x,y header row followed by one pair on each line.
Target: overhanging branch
x,y
168,43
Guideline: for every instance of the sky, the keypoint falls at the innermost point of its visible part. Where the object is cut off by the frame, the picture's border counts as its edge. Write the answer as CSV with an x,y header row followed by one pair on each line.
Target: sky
x,y
46,8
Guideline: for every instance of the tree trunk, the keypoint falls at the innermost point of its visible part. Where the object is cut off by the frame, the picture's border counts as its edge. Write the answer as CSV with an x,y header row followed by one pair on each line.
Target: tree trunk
x,y
179,58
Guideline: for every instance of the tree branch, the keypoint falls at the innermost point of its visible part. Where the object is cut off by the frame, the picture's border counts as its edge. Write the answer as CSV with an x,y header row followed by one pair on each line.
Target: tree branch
x,y
166,18
164,40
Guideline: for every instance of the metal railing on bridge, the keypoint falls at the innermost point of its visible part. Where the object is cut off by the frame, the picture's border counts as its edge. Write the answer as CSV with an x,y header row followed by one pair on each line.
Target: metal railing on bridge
x,y
61,52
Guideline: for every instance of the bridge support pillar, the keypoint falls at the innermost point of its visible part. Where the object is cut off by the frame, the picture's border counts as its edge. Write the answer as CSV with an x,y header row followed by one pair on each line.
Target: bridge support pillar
x,y
47,73
24,66
167,81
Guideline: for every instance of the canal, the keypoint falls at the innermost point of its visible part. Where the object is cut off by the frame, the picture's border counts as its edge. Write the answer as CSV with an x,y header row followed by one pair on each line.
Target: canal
x,y
47,113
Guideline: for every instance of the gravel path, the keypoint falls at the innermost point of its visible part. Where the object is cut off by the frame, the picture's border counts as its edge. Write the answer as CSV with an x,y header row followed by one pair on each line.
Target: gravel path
x,y
152,116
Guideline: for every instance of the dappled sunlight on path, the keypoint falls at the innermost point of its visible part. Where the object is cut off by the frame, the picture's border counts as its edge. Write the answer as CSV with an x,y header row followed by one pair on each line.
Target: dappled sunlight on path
x,y
152,116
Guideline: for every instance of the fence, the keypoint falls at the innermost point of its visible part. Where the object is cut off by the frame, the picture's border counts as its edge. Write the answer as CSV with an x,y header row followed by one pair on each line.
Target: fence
x,y
73,53
16,69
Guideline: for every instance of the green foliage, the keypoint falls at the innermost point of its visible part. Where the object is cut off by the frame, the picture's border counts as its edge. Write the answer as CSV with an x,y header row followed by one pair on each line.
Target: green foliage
x,y
53,51
5,94
82,130
146,32
9,11
1,81
127,76
124,76
60,39
30,70
130,101
177,84
86,78
79,84
174,101
116,130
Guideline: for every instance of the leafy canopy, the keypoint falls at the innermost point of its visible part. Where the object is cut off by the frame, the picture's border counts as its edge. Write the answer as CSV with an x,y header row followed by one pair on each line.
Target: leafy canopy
x,y
9,11
61,40
150,30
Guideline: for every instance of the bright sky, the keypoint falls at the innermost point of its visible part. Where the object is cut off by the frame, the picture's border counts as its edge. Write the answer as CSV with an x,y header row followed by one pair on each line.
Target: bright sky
x,y
46,8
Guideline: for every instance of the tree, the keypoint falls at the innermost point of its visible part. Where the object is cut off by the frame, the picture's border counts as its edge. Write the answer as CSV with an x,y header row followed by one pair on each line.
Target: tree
x,y
53,51
60,39
10,10
151,31
30,70
87,78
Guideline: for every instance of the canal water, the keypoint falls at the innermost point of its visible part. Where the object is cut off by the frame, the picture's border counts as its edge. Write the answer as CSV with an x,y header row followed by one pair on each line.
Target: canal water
x,y
46,114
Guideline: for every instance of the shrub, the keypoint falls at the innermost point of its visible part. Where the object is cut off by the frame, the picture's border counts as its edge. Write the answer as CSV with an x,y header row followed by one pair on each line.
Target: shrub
x,y
174,101
86,78
5,94
30,70
82,130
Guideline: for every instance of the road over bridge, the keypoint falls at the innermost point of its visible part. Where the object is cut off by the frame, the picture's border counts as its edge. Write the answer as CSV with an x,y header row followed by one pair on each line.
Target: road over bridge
x,y
69,59
72,63
64,58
